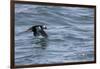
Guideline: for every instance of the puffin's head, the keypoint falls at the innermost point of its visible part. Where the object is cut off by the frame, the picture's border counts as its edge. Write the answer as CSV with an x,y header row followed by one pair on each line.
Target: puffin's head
x,y
44,27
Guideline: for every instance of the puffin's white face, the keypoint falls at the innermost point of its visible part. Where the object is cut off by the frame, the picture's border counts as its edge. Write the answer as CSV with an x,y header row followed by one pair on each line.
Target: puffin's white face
x,y
44,27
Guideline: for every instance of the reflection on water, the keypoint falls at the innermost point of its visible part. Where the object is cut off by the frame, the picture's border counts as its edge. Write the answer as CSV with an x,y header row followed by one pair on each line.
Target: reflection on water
x,y
69,29
41,42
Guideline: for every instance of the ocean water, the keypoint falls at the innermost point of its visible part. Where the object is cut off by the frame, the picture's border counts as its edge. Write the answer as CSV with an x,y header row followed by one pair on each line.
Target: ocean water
x,y
70,31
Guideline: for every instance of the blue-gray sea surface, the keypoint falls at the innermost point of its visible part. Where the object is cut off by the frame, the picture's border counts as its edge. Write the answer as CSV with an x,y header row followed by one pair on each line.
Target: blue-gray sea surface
x,y
70,31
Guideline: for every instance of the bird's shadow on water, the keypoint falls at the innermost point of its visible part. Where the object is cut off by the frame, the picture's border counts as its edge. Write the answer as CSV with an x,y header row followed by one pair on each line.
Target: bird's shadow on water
x,y
41,43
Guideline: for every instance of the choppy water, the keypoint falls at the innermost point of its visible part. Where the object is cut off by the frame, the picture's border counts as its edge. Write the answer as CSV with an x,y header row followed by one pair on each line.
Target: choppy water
x,y
70,31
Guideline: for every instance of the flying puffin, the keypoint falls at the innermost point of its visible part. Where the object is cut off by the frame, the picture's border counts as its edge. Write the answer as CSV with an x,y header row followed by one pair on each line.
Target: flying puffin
x,y
38,30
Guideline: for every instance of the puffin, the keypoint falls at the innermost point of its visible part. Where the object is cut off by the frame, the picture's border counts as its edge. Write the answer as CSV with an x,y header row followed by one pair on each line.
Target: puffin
x,y
38,30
